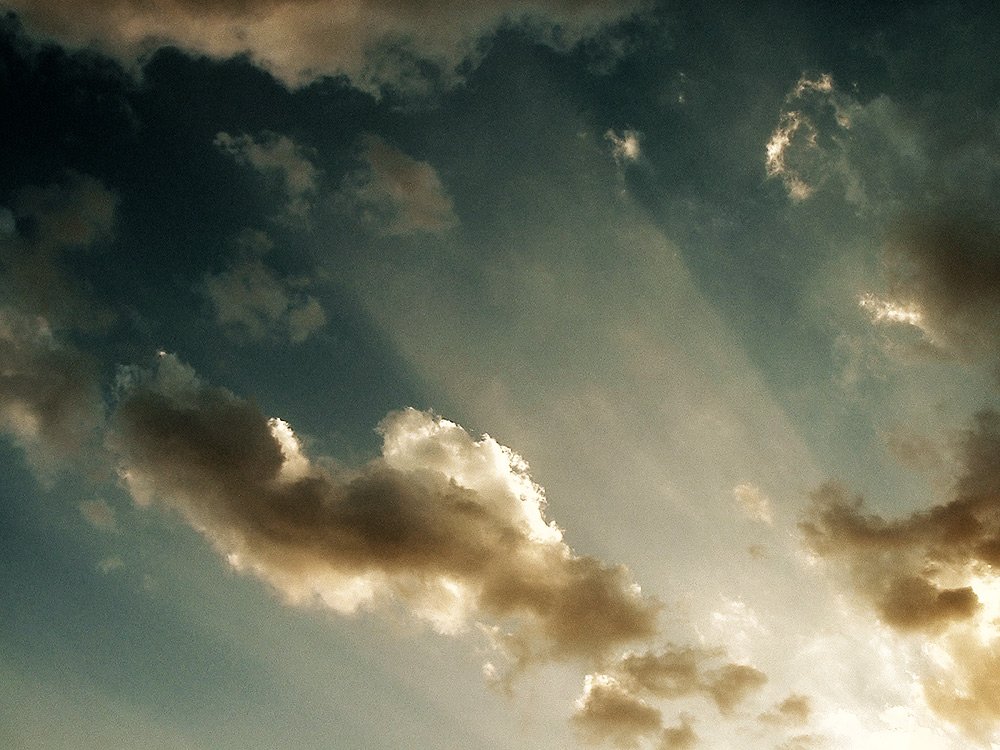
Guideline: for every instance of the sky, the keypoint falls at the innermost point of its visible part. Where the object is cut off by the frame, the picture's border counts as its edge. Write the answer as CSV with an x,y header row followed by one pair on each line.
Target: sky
x,y
501,375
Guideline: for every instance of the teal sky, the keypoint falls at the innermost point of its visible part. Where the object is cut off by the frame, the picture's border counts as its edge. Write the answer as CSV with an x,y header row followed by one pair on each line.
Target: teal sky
x,y
517,375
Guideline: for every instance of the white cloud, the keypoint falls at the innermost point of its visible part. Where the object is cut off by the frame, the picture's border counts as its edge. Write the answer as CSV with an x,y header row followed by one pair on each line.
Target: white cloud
x,y
397,194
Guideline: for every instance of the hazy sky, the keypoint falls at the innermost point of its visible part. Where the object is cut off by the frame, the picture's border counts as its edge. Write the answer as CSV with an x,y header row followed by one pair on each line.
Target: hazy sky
x,y
499,375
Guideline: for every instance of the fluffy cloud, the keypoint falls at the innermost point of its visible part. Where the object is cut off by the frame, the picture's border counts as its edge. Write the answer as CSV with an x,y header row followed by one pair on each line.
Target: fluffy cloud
x,y
932,574
277,157
99,514
300,40
450,527
609,712
251,300
43,226
396,194
49,400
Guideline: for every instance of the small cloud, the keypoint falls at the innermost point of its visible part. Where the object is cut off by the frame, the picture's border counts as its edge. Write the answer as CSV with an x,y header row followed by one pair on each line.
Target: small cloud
x,y
793,711
730,684
626,146
252,300
754,502
396,194
679,737
608,712
99,514
281,159
110,564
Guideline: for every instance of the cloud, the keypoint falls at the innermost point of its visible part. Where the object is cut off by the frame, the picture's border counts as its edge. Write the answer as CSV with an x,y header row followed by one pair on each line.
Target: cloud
x,y
99,514
625,146
279,158
792,711
43,227
608,712
932,574
614,704
754,502
251,300
946,272
49,400
301,40
679,737
396,194
449,527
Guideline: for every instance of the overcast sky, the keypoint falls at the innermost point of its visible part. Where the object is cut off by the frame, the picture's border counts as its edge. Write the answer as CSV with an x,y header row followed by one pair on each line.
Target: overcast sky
x,y
499,375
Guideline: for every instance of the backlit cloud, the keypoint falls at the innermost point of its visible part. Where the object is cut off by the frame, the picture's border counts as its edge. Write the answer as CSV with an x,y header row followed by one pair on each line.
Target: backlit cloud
x,y
450,527
301,40
932,574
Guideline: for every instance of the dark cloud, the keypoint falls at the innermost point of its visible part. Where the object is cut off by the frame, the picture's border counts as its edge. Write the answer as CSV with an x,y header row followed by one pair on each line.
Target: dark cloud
x,y
302,40
949,269
451,527
49,225
49,399
926,573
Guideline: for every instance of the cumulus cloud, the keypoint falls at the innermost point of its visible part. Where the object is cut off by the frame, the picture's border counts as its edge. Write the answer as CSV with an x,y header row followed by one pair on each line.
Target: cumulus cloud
x,y
932,574
44,225
301,40
49,400
252,300
396,194
279,158
447,526
680,736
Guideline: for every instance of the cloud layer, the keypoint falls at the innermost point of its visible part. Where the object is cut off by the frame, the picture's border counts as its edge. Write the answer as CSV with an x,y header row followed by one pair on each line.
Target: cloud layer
x,y
301,40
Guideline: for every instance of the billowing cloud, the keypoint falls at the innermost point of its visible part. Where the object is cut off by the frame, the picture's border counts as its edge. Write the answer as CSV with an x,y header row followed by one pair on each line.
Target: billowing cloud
x,y
279,158
396,194
43,225
447,526
252,300
932,574
49,400
300,40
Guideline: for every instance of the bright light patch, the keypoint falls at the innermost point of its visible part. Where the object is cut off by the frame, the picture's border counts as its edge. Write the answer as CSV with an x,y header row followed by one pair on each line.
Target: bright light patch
x,y
987,590
624,147
888,311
